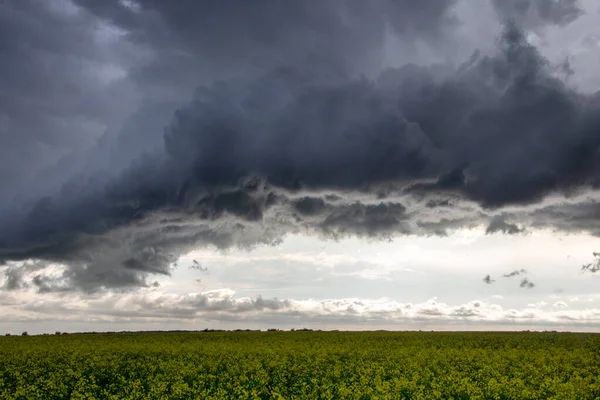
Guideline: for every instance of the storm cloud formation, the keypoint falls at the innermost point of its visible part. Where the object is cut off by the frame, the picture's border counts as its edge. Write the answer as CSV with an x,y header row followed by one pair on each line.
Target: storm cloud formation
x,y
284,134
60,74
245,38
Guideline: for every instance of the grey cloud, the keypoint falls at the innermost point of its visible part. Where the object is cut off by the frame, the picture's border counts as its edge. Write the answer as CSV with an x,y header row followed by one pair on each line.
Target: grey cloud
x,y
195,40
46,285
465,312
197,266
222,305
526,283
189,306
434,203
59,84
241,163
144,265
15,277
444,226
309,205
366,220
408,145
488,279
534,13
573,217
498,224
594,266
515,273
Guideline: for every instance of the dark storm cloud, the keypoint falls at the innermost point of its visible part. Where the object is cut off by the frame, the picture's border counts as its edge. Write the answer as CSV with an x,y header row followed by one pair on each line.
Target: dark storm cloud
x,y
573,217
445,226
309,205
309,147
196,39
498,224
533,13
59,80
475,137
434,203
366,220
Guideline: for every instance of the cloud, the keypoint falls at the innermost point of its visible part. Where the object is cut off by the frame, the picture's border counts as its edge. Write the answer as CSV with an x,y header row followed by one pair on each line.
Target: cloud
x,y
592,267
222,305
498,224
197,266
38,274
515,273
62,70
306,147
488,279
576,213
536,13
188,46
526,283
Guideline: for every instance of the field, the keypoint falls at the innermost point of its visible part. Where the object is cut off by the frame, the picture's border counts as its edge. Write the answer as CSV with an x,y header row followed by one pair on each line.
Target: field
x,y
301,365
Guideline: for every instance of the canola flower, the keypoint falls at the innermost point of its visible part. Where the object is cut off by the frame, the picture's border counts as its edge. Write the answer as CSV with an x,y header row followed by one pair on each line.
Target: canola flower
x,y
301,365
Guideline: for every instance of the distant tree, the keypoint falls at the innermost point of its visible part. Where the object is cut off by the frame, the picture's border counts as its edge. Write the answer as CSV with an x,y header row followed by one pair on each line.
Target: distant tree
x,y
25,333
57,333
8,334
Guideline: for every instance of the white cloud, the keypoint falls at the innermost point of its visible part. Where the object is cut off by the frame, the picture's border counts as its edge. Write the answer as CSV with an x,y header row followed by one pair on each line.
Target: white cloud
x,y
155,305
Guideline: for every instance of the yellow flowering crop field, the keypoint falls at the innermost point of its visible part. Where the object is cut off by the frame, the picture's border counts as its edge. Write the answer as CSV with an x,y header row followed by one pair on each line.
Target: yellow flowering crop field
x,y
301,365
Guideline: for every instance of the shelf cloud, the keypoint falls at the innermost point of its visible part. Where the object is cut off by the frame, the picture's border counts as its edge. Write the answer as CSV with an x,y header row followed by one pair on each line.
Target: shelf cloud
x,y
305,138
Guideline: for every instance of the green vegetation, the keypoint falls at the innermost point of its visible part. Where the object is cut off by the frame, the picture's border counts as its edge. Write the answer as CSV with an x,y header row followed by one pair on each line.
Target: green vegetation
x,y
301,365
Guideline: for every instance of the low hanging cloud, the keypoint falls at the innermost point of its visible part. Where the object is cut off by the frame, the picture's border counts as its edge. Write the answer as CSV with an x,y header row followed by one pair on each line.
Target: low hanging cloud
x,y
308,148
223,305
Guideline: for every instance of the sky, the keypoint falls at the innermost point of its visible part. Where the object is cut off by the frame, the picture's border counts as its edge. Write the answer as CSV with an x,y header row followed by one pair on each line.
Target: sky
x,y
347,165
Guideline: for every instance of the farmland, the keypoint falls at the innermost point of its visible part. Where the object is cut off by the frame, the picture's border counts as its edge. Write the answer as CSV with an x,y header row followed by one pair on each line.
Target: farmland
x,y
301,365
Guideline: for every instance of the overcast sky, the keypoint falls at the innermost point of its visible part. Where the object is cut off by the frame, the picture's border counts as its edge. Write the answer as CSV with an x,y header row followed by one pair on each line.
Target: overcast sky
x,y
325,164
